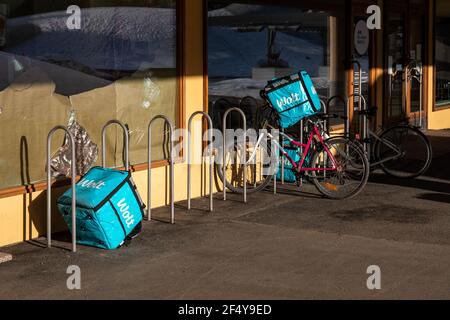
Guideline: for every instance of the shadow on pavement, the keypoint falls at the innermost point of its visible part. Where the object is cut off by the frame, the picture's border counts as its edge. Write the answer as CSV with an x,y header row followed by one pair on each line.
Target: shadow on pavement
x,y
437,197
384,213
439,169
418,183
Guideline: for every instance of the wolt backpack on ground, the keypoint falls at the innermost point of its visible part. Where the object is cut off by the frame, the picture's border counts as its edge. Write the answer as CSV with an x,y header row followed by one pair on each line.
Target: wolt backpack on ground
x,y
109,208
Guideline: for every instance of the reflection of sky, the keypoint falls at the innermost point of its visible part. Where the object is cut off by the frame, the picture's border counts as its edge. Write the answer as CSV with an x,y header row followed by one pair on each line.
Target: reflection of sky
x,y
233,54
121,38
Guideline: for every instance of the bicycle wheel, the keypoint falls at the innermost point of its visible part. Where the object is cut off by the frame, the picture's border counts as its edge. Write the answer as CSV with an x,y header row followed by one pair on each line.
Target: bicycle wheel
x,y
351,174
409,150
259,171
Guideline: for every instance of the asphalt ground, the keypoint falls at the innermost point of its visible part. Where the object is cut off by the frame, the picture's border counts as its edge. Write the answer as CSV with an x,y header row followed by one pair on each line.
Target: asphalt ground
x,y
293,245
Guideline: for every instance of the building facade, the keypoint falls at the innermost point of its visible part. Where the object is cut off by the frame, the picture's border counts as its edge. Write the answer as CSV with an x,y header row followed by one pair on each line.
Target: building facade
x,y
134,59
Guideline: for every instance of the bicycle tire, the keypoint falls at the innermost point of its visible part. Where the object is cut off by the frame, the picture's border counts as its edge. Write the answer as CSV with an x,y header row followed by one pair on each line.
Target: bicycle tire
x,y
395,167
333,190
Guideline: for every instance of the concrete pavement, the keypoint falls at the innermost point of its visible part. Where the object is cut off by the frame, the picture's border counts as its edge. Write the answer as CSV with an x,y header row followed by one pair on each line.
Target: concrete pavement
x,y
290,246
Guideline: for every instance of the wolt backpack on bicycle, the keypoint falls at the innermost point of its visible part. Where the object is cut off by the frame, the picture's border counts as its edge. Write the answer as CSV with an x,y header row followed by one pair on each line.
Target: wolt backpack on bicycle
x,y
293,98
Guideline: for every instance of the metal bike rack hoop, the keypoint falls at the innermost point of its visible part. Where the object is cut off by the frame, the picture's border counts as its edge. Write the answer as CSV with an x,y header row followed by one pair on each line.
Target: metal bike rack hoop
x,y
346,111
126,140
325,111
211,166
49,186
324,106
149,165
277,152
282,162
248,98
366,120
244,118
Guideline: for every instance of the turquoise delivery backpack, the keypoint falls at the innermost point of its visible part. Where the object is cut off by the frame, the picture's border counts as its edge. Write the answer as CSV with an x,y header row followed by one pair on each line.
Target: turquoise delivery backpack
x,y
293,98
289,174
289,171
109,209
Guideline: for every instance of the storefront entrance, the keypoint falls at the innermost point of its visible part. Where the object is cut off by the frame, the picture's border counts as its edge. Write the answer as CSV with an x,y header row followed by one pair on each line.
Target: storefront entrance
x,y
404,43
250,42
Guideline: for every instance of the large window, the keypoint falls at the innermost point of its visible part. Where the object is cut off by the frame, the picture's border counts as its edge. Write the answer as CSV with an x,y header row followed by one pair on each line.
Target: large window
x,y
249,44
442,53
112,59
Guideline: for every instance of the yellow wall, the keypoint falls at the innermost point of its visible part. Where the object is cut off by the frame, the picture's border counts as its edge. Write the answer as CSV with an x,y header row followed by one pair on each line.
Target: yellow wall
x,y
439,119
23,217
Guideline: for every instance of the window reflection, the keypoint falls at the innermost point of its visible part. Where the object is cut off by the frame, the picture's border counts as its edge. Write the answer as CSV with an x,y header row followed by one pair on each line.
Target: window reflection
x,y
119,64
249,44
442,52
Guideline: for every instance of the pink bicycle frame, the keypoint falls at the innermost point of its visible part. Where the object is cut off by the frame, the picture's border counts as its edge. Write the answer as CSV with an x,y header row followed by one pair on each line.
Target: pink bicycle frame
x,y
307,147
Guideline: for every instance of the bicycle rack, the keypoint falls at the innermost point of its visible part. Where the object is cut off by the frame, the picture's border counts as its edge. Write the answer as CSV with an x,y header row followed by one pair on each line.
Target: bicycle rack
x,y
126,147
326,109
326,124
277,153
224,101
346,111
211,166
248,107
126,142
49,186
248,98
171,161
244,118
282,162
221,100
365,123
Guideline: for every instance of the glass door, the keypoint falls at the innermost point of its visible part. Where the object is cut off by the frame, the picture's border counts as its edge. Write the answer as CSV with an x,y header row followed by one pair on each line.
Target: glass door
x,y
416,41
404,45
396,60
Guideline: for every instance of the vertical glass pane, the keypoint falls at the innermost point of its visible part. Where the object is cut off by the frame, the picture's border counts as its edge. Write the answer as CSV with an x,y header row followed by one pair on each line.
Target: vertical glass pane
x,y
442,52
395,47
416,48
361,56
104,59
249,44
